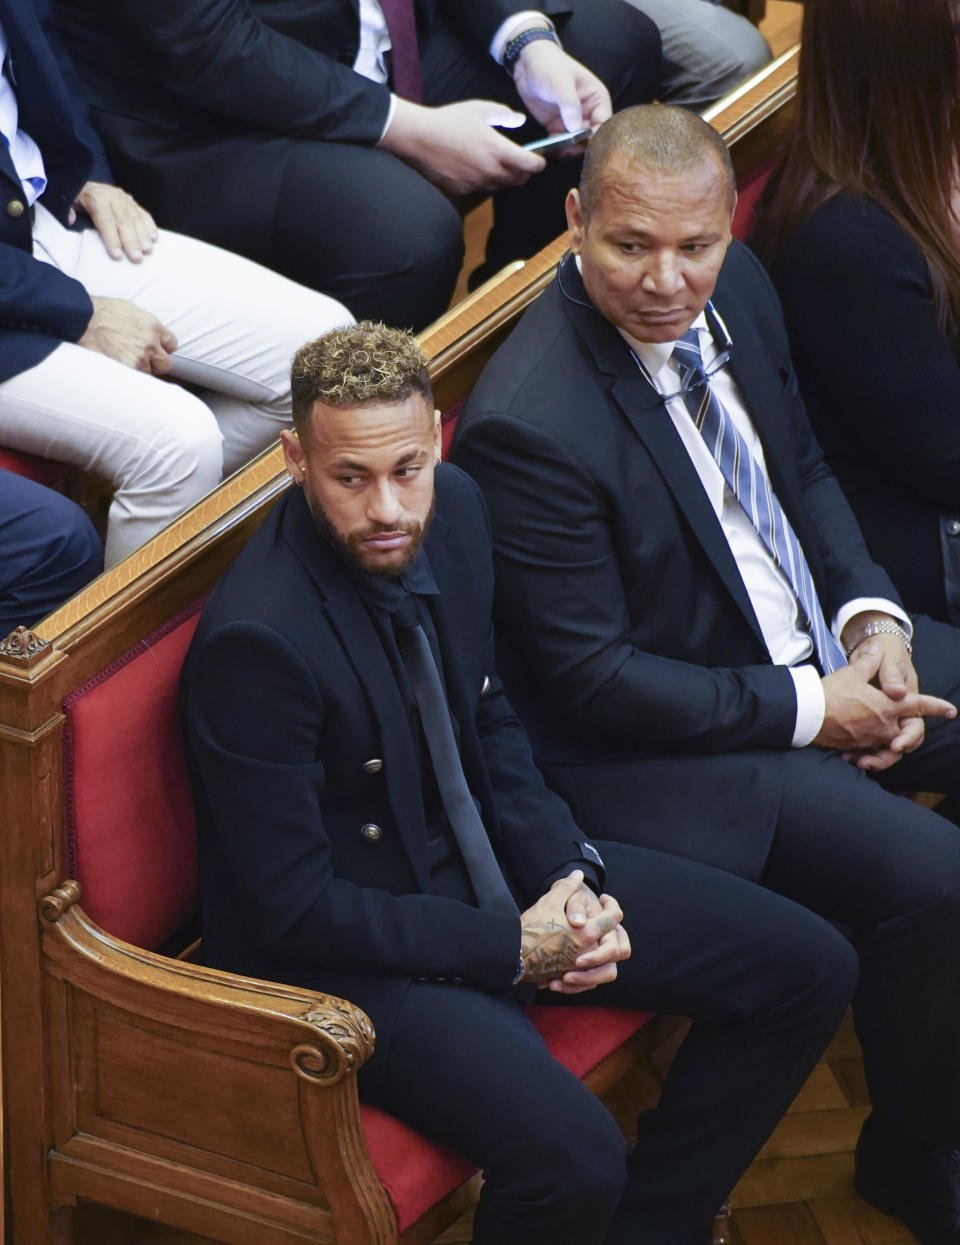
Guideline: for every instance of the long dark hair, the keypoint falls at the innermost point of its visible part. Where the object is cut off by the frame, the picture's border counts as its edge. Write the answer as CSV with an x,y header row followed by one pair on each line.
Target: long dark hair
x,y
878,114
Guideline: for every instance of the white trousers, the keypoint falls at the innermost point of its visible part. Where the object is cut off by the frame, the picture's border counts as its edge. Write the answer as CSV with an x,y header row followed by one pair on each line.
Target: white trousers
x,y
158,445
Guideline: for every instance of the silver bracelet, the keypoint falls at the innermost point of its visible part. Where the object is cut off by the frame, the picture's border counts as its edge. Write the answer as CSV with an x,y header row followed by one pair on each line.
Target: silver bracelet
x,y
884,628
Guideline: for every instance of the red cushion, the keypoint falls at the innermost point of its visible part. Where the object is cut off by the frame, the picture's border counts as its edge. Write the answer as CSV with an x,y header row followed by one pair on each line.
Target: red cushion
x,y
749,192
42,470
448,425
129,813
417,1173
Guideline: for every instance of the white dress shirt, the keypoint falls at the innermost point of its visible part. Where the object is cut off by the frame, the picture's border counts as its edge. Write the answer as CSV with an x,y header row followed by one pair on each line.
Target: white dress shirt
x,y
24,152
375,43
771,595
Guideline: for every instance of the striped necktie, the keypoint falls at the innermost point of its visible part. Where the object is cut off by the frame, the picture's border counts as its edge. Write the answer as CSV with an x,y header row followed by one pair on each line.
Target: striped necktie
x,y
405,55
753,491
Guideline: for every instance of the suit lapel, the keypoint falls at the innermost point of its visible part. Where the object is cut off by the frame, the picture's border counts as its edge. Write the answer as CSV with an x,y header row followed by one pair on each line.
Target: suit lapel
x,y
650,420
363,649
761,387
444,571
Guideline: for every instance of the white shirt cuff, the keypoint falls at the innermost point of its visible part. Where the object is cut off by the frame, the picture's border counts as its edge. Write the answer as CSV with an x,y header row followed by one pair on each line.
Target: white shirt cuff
x,y
811,704
861,604
507,29
391,111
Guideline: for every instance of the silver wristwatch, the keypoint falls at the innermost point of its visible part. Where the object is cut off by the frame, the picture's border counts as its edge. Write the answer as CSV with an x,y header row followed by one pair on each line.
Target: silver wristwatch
x,y
884,627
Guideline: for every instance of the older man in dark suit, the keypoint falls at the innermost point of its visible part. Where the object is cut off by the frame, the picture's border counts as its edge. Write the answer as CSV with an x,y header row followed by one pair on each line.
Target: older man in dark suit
x,y
707,659
371,823
326,138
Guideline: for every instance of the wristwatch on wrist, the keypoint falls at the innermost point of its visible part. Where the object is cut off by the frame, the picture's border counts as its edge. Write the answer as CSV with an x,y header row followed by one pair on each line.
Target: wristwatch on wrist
x,y
883,627
511,53
521,969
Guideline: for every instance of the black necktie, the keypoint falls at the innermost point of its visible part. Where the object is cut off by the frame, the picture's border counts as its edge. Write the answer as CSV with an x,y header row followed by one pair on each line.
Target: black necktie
x,y
486,878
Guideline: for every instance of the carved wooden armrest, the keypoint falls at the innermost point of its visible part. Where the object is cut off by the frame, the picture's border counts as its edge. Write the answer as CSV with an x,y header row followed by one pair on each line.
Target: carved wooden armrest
x,y
332,1037
180,1062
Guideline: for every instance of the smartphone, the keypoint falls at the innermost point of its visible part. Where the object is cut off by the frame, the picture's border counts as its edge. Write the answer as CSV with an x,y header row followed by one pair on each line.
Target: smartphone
x,y
557,140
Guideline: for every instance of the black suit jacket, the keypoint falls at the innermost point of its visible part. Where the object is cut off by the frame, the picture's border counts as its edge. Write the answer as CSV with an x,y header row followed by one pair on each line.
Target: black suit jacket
x,y
628,640
287,692
882,385
39,306
275,66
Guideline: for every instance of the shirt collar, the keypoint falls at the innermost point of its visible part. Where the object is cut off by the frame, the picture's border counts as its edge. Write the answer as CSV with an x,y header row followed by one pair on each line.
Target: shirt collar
x,y
656,355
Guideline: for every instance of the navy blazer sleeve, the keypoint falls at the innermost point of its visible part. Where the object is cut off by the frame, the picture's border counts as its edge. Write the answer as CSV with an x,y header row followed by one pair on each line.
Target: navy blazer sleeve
x,y
37,298
227,58
38,303
223,57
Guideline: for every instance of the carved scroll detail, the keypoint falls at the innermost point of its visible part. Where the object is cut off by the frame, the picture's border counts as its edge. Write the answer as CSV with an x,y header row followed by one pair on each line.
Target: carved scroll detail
x,y
22,646
344,1041
54,905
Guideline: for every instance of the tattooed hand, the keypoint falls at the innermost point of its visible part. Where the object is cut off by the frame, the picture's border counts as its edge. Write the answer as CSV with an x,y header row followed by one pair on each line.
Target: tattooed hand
x,y
572,953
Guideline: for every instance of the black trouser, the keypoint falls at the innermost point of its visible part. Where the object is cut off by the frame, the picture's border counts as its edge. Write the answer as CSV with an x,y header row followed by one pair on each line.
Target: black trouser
x,y
888,872
50,551
766,984
356,222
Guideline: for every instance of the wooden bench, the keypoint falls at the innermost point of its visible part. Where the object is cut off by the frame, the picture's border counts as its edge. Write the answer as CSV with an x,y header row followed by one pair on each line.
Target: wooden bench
x,y
219,1104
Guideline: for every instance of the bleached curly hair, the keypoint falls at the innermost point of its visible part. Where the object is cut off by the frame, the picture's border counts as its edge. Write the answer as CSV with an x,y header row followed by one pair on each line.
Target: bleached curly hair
x,y
359,365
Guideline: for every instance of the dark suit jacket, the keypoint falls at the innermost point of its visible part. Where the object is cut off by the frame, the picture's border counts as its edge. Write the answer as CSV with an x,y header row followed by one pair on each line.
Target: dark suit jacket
x,y
287,692
629,643
39,306
882,385
281,66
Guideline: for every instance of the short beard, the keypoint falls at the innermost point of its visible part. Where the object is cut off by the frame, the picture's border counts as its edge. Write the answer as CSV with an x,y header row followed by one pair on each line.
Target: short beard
x,y
351,545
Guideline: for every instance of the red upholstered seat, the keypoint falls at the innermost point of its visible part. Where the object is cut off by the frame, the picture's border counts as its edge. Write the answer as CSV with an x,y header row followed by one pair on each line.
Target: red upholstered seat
x,y
448,425
130,835
129,815
416,1173
42,470
749,192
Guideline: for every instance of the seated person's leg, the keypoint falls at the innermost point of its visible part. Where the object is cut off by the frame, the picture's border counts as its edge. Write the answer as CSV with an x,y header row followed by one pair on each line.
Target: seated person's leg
x,y
237,326
889,872
156,445
354,222
50,551
613,40
707,49
469,1070
384,241
766,983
